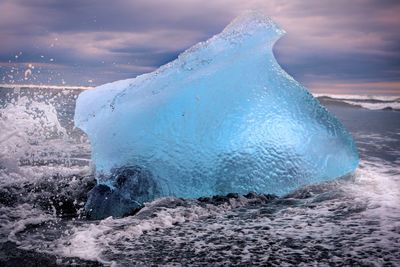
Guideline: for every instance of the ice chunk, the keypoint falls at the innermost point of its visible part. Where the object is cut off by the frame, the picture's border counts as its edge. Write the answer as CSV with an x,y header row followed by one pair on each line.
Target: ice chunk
x,y
223,117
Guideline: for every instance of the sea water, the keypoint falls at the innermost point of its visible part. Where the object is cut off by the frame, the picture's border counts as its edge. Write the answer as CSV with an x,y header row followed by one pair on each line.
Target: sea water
x,y
45,178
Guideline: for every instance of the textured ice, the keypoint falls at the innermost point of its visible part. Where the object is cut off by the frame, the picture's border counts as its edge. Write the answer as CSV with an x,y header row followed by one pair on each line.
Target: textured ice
x,y
223,117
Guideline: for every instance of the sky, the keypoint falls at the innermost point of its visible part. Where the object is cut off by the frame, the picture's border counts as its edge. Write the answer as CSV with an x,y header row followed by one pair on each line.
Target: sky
x,y
339,46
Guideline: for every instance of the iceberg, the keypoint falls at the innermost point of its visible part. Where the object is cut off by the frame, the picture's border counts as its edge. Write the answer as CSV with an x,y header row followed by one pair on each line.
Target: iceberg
x,y
223,117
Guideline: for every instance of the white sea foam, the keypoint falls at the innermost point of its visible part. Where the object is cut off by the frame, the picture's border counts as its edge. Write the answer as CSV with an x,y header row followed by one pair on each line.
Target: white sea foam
x,y
90,242
26,215
339,214
25,125
32,139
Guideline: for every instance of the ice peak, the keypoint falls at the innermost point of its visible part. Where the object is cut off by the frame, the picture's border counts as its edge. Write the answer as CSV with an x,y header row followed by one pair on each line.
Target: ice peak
x,y
251,22
250,28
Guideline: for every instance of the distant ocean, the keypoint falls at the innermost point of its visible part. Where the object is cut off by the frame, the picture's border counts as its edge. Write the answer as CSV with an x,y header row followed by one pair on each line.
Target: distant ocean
x,y
45,173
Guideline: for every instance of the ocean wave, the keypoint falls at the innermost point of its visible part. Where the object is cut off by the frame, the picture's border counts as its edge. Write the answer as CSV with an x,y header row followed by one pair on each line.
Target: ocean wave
x,y
34,86
383,98
376,106
371,102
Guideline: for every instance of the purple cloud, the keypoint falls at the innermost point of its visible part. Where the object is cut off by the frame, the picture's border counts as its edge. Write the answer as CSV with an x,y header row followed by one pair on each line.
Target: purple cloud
x,y
328,42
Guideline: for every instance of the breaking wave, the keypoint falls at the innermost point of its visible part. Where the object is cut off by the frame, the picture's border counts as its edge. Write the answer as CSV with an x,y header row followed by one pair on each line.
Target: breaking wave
x,y
371,102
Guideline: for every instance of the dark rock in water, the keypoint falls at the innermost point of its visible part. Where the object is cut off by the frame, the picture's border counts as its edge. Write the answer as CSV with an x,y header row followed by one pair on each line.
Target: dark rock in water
x,y
253,195
104,201
137,182
12,256
218,200
132,187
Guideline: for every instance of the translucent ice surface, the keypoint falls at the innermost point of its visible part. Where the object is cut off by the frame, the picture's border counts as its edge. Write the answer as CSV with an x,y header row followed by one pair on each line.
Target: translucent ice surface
x,y
223,117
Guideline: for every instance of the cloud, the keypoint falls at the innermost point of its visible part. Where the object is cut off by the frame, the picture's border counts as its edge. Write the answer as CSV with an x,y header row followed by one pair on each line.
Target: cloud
x,y
339,41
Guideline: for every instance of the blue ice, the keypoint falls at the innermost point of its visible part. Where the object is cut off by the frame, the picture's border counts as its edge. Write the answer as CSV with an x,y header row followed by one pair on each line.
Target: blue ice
x,y
223,117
